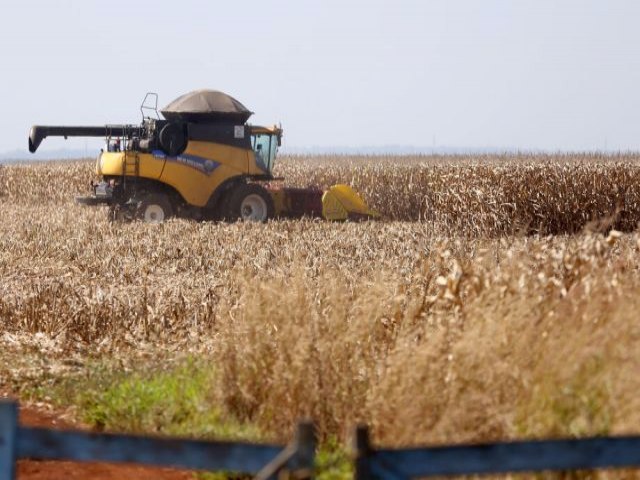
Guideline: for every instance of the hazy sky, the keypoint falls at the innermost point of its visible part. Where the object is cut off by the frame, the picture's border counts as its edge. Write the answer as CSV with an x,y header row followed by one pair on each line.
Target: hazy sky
x,y
549,74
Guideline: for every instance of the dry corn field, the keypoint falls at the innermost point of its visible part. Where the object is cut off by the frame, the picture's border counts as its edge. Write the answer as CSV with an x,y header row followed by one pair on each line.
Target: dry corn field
x,y
496,299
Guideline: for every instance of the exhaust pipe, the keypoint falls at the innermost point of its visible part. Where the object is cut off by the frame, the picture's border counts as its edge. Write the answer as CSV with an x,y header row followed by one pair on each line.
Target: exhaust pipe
x,y
39,133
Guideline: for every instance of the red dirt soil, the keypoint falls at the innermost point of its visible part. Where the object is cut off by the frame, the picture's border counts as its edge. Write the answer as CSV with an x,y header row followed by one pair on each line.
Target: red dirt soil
x,y
59,470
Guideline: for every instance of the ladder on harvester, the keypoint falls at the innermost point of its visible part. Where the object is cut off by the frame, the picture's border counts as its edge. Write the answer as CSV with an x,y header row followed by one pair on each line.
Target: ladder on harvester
x,y
131,164
130,170
130,161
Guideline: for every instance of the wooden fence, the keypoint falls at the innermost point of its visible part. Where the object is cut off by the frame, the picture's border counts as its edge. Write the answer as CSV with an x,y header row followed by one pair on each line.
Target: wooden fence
x,y
495,458
296,460
263,461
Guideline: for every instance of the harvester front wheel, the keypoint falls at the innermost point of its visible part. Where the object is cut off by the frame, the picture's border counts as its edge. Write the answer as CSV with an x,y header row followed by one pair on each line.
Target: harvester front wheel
x,y
250,203
154,208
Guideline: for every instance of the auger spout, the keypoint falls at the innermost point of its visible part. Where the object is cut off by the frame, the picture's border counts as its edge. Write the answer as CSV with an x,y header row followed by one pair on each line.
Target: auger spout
x,y
39,132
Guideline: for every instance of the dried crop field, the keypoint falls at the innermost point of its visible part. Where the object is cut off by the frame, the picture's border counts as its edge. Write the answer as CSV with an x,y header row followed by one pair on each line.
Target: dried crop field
x,y
493,301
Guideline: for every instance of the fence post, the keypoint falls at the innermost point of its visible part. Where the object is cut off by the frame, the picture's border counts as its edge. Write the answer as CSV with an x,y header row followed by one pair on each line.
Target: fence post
x,y
8,431
362,452
305,443
297,459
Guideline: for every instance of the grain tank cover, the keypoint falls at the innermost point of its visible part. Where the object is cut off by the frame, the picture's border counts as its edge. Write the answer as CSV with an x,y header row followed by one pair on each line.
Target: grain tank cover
x,y
206,106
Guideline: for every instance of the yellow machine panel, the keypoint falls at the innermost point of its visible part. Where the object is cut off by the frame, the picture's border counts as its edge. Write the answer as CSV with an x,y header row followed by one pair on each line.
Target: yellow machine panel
x,y
129,163
195,173
341,202
203,167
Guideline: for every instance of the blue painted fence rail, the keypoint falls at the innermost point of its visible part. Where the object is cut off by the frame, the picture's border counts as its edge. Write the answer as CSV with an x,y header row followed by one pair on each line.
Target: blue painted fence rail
x,y
494,458
264,461
296,460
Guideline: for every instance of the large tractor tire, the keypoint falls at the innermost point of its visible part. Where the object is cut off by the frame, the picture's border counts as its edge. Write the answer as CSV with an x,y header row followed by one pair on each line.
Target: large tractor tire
x,y
154,208
250,202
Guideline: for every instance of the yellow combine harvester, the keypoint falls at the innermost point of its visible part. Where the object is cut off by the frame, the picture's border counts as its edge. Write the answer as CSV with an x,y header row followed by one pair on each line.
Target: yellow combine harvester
x,y
203,161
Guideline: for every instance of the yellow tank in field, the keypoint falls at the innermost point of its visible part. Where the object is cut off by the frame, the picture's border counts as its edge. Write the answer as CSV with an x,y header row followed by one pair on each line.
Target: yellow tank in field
x,y
197,172
203,161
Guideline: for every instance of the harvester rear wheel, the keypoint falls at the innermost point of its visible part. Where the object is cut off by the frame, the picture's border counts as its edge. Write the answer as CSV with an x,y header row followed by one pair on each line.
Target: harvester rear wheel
x,y
154,208
250,203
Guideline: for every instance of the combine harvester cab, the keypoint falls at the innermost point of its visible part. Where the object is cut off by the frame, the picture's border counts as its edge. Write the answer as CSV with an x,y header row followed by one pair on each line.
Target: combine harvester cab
x,y
203,161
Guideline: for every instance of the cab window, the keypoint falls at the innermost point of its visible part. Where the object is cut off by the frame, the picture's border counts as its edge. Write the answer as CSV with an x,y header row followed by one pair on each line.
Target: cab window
x,y
265,147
